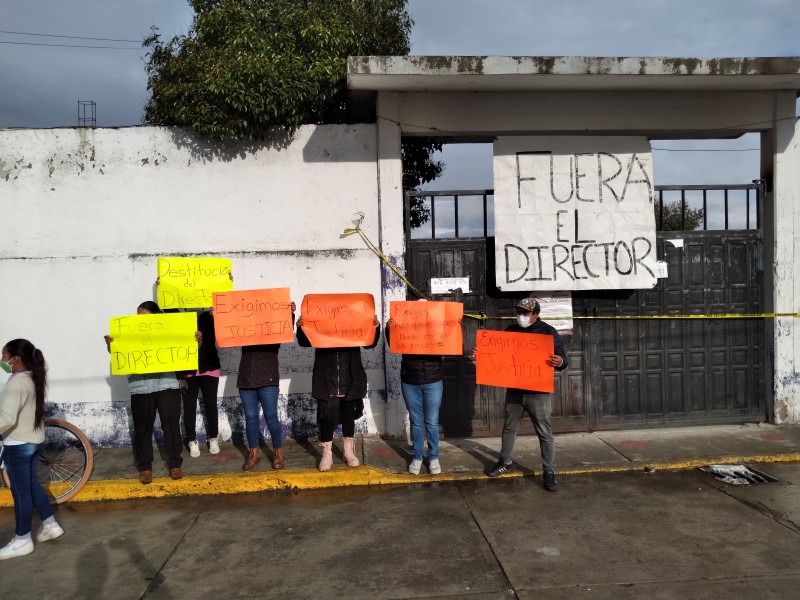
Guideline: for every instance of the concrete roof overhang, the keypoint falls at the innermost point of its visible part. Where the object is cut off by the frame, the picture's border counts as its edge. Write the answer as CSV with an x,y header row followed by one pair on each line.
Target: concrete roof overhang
x,y
570,73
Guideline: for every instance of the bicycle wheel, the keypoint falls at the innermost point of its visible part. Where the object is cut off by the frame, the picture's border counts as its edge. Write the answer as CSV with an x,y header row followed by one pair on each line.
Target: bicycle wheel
x,y
65,461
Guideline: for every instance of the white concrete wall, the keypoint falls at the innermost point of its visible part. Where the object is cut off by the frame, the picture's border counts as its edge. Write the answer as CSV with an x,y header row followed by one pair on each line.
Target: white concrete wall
x,y
87,212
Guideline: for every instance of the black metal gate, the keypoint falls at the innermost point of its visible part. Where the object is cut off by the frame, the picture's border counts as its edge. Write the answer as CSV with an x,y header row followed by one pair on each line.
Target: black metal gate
x,y
627,368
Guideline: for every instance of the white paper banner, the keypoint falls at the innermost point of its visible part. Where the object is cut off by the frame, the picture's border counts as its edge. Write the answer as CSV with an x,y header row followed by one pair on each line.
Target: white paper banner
x,y
558,305
574,213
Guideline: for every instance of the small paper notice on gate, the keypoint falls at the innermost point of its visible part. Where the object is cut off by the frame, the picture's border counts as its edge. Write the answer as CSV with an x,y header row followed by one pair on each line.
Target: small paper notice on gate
x,y
446,285
514,360
661,269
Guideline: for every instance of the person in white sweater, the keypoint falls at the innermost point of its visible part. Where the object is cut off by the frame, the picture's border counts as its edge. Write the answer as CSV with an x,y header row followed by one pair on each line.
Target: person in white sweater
x,y
22,429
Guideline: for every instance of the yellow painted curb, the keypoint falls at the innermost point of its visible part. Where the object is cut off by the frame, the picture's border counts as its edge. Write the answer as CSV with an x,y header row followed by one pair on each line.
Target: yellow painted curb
x,y
312,479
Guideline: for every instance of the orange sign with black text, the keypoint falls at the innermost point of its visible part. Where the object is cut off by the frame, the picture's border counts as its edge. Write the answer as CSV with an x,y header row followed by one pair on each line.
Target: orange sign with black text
x,y
339,320
251,317
514,360
426,328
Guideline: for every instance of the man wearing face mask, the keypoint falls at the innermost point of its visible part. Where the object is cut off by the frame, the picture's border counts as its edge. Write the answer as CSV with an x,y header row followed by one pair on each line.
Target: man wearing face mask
x,y
538,404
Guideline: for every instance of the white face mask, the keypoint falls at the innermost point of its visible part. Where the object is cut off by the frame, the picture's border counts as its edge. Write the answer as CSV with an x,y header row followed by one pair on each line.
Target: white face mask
x,y
524,321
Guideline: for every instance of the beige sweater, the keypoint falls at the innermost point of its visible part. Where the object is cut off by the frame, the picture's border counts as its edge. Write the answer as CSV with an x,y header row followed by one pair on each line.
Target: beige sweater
x,y
18,410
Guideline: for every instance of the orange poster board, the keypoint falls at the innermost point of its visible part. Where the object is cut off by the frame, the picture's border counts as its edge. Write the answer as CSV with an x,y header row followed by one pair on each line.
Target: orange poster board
x,y
339,320
426,328
514,360
251,317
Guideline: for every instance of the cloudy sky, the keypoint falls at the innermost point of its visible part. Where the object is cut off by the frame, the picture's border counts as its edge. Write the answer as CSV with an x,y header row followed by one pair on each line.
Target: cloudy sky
x,y
42,80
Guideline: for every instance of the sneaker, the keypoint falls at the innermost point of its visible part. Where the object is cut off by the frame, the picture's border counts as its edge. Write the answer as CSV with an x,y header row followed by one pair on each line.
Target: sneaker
x,y
415,466
501,468
213,446
194,449
550,481
16,548
49,532
434,467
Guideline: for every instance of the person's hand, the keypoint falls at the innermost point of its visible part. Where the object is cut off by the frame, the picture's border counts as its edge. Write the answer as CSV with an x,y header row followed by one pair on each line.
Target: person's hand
x,y
390,323
108,340
198,335
158,280
375,321
300,322
230,275
293,306
555,361
474,352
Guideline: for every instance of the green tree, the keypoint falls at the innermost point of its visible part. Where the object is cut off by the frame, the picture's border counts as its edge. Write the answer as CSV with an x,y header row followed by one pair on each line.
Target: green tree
x,y
419,169
672,220
248,66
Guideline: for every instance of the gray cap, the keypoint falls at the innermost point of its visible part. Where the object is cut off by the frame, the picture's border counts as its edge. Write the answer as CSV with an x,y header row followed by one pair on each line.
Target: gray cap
x,y
529,304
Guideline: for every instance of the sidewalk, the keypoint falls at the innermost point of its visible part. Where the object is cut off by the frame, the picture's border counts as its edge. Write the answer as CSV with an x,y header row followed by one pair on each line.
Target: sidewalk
x,y
385,461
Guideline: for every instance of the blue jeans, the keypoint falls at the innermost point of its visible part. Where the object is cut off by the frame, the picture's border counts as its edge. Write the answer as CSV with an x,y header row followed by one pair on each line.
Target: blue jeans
x,y
267,397
423,402
21,464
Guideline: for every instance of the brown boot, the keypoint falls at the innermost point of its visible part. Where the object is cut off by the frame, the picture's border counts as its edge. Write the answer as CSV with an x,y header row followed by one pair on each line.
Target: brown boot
x,y
277,461
349,452
252,460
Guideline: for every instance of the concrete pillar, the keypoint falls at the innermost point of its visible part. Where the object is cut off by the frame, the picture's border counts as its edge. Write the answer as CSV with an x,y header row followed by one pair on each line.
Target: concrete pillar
x,y
392,244
782,217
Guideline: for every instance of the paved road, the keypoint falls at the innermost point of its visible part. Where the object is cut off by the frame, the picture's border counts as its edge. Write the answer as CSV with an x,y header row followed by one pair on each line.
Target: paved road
x,y
604,536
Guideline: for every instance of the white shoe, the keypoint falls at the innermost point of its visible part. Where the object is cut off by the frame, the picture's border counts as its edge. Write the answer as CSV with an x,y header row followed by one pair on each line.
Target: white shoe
x,y
49,532
16,548
415,466
213,446
194,449
434,467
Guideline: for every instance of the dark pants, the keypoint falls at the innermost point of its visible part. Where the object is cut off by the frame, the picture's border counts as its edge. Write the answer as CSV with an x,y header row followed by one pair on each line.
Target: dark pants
x,y
208,386
143,410
539,407
333,411
22,462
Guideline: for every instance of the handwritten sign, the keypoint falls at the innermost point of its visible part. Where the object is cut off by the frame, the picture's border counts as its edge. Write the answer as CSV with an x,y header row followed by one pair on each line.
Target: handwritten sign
x,y
514,360
426,327
250,317
574,213
190,282
156,343
339,320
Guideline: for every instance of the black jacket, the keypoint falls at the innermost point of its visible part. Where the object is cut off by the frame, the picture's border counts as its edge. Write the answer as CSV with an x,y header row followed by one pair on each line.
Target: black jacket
x,y
208,359
258,366
420,369
337,370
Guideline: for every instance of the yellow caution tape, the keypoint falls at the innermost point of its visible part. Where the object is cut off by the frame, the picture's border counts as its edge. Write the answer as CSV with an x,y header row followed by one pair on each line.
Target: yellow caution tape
x,y
482,317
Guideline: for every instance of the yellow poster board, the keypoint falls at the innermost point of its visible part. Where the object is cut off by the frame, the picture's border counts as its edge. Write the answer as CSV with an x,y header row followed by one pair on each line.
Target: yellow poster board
x,y
191,282
157,343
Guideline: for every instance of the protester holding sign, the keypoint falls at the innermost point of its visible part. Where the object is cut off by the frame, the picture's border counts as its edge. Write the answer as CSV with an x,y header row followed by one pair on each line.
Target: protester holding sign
x,y
537,404
259,376
339,385
153,393
421,375
206,381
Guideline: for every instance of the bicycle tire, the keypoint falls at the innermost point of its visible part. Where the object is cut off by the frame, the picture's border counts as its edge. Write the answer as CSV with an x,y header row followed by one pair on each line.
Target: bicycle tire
x,y
66,461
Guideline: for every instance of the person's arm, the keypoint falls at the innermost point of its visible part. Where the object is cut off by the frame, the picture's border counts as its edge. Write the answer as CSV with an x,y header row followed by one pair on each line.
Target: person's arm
x,y
302,338
11,397
558,352
377,325
386,330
